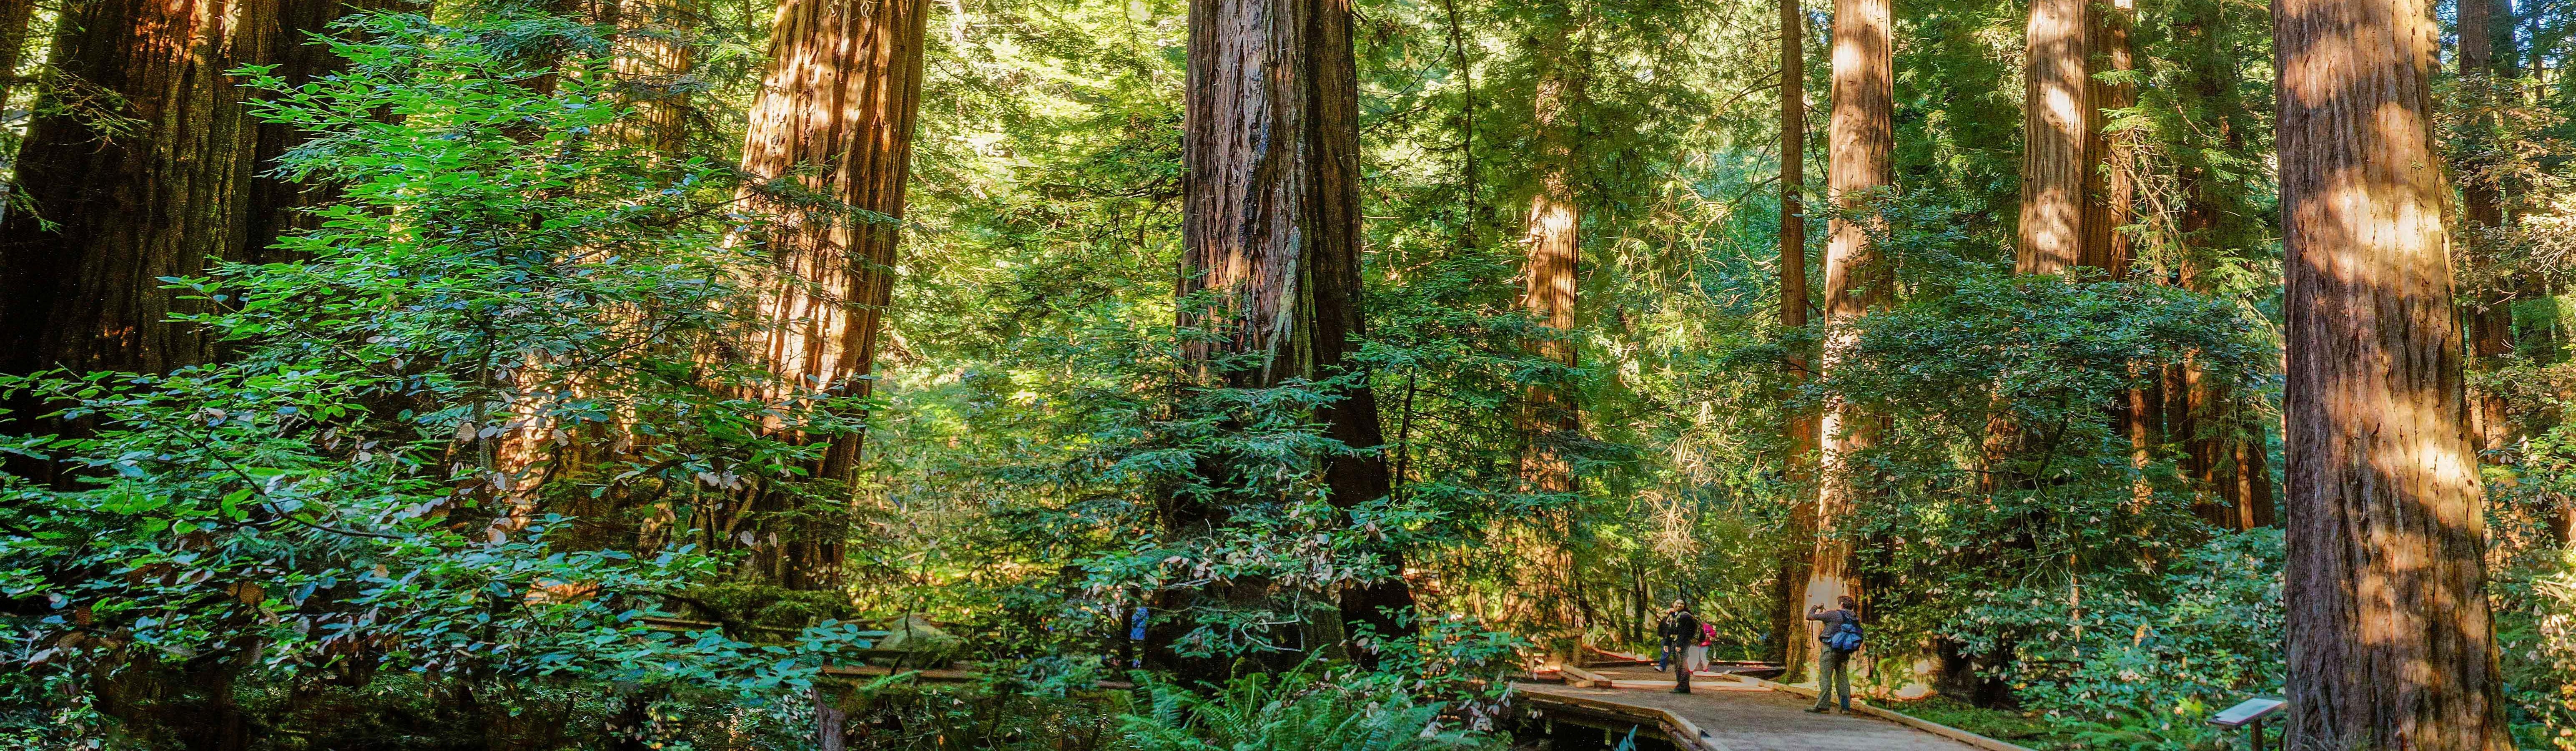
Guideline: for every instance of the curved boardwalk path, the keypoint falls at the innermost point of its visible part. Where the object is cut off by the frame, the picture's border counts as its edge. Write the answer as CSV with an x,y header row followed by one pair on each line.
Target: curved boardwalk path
x,y
1745,717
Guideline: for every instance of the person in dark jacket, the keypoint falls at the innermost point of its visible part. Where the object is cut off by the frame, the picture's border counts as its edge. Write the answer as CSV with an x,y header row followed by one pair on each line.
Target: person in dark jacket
x,y
1681,630
1670,634
1833,666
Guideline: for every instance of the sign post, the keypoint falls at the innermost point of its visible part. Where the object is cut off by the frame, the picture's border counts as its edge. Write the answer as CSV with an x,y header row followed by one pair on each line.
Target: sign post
x,y
2249,714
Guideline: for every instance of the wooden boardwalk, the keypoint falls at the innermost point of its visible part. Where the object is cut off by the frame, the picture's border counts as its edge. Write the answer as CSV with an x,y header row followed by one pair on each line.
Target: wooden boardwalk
x,y
1729,715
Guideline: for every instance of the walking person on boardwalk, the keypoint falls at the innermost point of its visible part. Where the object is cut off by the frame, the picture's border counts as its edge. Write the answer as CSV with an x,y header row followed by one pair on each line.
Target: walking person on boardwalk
x,y
1683,632
1668,630
1840,637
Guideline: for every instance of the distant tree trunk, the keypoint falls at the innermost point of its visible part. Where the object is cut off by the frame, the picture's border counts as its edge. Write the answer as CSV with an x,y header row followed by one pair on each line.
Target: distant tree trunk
x,y
653,61
2223,444
1799,438
15,18
1862,142
1553,243
2490,314
1271,226
834,116
2390,641
2056,122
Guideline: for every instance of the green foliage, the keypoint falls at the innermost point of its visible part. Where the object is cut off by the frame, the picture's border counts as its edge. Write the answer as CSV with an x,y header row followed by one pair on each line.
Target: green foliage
x,y
353,496
1305,709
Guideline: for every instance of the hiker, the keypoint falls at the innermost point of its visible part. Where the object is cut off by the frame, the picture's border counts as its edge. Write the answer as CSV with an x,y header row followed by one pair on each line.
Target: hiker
x,y
1685,633
1666,630
1840,637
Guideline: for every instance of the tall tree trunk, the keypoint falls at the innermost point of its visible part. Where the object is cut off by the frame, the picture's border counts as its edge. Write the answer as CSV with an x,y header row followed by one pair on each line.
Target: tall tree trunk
x,y
2390,642
2056,119
2110,190
1271,226
1799,430
107,217
15,18
1552,241
835,116
2490,314
2223,441
1861,142
653,63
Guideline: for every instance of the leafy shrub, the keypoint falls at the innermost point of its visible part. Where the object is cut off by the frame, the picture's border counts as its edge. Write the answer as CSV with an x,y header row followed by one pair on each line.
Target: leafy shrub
x,y
1302,710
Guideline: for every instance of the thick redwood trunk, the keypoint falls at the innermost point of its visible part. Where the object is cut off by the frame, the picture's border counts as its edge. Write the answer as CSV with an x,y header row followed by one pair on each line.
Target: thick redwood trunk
x,y
2110,191
105,218
835,115
1271,226
1553,243
2390,643
1799,430
2056,123
1862,143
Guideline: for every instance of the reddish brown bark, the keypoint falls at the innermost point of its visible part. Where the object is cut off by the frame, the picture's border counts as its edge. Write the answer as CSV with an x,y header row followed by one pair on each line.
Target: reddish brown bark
x,y
1862,142
1799,431
106,217
2390,642
1271,226
2110,189
835,116
1552,242
2056,123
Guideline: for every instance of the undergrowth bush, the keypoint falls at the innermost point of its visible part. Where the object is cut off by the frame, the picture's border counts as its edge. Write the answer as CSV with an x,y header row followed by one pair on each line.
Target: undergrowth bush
x,y
1308,708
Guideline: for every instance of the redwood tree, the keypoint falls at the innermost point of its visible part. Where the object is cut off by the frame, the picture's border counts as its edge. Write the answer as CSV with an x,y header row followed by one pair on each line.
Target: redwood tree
x,y
1800,428
2056,123
835,119
1271,227
1862,144
2390,642
165,187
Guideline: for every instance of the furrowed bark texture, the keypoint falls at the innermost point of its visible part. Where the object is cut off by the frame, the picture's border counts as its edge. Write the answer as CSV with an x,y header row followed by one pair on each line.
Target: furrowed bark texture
x,y
106,217
2390,644
1800,429
1271,228
2056,120
1552,243
2110,194
834,117
1862,142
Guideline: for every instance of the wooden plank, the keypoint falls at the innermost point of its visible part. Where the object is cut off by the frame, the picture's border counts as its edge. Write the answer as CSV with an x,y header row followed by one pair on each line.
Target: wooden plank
x,y
1679,728
1864,707
1575,676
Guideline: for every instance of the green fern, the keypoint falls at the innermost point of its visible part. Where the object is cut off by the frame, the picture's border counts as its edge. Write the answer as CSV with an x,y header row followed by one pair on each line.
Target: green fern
x,y
1302,710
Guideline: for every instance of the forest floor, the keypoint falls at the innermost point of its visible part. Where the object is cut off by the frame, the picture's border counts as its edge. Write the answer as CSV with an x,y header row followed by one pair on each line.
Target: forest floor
x,y
1745,717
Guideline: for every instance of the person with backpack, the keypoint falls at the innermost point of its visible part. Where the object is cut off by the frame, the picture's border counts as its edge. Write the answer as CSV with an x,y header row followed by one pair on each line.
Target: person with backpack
x,y
1684,632
1668,630
1840,637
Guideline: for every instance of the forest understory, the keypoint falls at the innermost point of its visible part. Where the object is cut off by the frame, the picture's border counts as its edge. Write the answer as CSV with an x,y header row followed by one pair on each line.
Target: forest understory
x,y
1276,374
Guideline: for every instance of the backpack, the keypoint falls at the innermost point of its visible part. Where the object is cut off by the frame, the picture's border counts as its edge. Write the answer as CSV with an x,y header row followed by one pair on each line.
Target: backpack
x,y
1844,638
